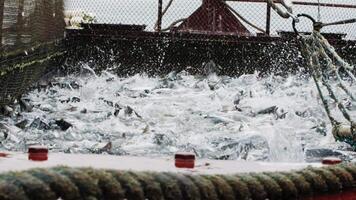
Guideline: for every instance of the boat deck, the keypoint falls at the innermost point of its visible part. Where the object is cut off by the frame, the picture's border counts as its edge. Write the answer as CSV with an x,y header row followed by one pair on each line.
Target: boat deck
x,y
19,162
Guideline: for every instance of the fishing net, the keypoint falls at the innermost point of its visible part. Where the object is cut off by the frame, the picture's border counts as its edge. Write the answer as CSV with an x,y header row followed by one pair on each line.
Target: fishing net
x,y
30,34
26,23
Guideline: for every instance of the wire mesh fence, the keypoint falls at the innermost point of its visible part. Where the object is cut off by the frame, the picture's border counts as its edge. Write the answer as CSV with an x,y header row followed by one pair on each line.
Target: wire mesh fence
x,y
251,13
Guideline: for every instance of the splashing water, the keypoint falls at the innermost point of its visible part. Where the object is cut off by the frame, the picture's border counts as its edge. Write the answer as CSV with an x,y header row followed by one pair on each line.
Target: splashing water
x,y
250,118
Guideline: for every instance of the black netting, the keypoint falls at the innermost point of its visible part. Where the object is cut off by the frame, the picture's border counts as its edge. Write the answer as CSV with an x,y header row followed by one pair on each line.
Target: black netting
x,y
26,23
30,31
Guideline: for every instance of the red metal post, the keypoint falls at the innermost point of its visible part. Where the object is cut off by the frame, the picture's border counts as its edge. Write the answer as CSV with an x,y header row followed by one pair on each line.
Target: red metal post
x,y
184,160
38,153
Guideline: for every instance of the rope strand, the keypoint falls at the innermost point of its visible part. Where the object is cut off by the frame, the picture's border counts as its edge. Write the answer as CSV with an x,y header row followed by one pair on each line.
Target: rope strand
x,y
88,183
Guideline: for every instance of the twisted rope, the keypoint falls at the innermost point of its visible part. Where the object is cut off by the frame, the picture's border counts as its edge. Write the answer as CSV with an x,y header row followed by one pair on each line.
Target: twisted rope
x,y
244,19
324,63
287,12
86,183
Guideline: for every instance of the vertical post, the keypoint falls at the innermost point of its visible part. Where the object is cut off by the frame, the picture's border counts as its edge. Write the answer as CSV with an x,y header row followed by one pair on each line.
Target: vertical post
x,y
159,18
2,5
268,20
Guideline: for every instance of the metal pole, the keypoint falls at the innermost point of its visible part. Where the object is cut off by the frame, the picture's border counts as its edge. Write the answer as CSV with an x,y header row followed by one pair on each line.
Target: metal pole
x,y
319,14
159,19
268,20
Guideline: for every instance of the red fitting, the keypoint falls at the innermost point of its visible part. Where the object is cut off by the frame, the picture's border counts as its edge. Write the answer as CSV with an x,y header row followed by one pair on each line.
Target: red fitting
x,y
184,160
38,153
4,155
331,161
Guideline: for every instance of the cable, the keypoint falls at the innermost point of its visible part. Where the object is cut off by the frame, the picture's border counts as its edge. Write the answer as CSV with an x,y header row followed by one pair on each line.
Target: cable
x,y
319,14
244,19
173,24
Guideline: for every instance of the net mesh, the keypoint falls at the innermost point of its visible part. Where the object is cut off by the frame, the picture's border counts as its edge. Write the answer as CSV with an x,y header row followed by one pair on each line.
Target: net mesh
x,y
25,23
29,30
145,12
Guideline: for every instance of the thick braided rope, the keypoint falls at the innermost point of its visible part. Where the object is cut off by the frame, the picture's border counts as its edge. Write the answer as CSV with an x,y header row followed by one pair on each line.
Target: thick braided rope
x,y
86,183
324,64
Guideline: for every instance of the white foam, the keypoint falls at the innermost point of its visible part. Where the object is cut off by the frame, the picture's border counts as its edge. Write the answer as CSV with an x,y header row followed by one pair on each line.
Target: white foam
x,y
186,115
